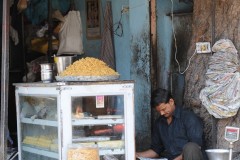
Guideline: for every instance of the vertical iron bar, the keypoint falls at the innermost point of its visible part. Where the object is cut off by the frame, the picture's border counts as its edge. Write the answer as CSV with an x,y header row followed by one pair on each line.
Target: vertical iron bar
x,y
50,26
4,80
214,120
25,70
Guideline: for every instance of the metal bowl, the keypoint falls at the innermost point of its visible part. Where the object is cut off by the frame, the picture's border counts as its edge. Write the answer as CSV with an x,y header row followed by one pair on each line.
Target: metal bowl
x,y
62,62
219,154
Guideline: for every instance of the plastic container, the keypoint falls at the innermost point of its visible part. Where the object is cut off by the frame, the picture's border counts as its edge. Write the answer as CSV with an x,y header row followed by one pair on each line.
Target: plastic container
x,y
81,152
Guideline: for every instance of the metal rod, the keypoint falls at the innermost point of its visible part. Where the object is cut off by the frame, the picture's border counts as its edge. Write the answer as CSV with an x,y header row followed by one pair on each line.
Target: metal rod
x,y
50,26
4,80
23,47
230,154
214,120
230,150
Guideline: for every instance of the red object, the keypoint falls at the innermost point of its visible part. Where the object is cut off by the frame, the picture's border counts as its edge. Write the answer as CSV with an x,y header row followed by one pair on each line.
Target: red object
x,y
119,128
103,131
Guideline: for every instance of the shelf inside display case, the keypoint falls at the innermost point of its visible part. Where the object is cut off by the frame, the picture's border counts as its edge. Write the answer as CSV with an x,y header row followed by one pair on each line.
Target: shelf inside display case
x,y
111,151
40,152
107,121
39,122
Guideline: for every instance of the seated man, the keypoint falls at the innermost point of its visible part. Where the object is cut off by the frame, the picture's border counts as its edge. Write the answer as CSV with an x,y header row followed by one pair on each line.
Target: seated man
x,y
177,132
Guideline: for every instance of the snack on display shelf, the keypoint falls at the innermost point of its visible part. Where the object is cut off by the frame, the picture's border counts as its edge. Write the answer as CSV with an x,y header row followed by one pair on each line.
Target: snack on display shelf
x,y
45,142
111,144
54,147
83,154
30,140
89,67
87,144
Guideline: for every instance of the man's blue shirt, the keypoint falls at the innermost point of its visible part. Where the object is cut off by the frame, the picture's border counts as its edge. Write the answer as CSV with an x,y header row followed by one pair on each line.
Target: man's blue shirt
x,y
185,127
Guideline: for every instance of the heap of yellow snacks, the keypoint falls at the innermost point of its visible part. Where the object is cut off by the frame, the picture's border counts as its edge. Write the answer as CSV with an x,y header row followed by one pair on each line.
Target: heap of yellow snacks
x,y
88,67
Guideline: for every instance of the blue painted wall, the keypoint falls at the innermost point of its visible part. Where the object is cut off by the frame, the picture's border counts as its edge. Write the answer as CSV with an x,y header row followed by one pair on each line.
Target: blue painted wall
x,y
122,44
165,36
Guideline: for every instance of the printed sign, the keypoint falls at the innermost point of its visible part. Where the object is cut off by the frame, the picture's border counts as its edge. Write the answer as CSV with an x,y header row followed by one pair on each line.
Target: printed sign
x,y
231,134
99,101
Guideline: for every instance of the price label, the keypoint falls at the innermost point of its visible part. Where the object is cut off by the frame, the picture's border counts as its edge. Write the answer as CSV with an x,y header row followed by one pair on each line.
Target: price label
x,y
231,134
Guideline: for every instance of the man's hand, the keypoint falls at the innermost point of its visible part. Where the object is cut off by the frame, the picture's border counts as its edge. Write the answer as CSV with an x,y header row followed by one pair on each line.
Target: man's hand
x,y
178,157
147,154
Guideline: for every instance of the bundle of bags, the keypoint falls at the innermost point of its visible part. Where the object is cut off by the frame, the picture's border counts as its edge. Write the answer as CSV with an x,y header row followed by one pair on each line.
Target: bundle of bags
x,y
221,95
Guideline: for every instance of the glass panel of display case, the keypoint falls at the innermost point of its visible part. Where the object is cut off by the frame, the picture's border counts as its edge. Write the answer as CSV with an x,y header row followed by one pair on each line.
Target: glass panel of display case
x,y
98,107
39,140
39,127
36,107
99,120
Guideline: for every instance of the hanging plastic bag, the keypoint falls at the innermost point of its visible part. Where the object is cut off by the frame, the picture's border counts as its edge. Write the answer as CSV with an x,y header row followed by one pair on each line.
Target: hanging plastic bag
x,y
70,34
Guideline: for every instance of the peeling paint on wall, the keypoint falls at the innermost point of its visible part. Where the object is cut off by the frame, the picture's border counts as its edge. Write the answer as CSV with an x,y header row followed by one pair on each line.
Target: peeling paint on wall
x,y
140,70
141,57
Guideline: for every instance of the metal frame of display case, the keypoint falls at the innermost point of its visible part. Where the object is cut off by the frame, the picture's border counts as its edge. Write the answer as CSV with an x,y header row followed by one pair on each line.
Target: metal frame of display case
x,y
64,91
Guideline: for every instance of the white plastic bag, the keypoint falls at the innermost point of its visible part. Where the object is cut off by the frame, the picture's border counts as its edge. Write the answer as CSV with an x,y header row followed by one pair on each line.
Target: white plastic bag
x,y
70,34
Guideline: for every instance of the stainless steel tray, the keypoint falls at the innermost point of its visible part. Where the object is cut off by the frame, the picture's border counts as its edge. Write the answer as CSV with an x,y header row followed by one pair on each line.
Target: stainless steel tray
x,y
87,78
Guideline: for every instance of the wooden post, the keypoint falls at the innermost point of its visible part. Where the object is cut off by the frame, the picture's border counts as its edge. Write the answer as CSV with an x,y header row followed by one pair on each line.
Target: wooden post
x,y
4,80
154,63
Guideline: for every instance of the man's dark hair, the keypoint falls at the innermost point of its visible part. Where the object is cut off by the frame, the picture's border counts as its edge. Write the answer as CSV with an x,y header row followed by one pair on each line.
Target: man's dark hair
x,y
160,96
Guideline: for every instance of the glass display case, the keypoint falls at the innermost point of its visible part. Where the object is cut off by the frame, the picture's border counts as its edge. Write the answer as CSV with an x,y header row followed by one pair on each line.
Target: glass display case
x,y
65,120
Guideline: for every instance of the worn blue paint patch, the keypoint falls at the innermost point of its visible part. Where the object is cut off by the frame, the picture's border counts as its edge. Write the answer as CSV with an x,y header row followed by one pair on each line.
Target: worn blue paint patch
x,y
141,57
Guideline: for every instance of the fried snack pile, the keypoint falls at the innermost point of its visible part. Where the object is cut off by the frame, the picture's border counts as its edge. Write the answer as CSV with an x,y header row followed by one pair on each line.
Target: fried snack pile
x,y
83,154
88,67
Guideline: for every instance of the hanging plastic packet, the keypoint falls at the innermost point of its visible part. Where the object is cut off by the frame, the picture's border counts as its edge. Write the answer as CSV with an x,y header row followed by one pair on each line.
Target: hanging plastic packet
x,y
70,34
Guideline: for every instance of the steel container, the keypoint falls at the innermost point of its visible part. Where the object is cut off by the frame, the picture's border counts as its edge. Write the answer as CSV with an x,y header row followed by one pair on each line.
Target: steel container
x,y
219,154
62,62
47,72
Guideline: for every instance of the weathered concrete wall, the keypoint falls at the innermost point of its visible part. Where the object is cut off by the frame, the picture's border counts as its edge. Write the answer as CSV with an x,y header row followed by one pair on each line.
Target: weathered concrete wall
x,y
165,41
140,69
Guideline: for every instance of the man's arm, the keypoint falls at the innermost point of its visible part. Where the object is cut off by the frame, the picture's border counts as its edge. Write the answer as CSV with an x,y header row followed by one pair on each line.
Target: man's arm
x,y
147,154
194,127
